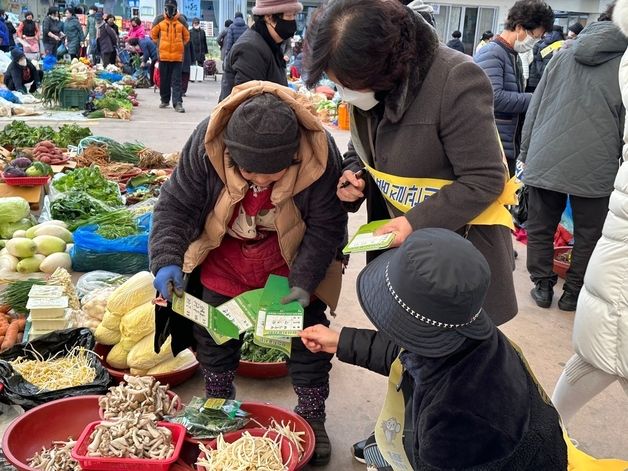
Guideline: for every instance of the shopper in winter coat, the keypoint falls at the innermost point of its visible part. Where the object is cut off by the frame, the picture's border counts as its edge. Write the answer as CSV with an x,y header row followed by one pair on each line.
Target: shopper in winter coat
x,y
185,69
455,43
526,23
148,50
460,395
52,30
137,29
234,32
268,207
74,35
11,31
111,21
198,39
600,334
28,34
4,37
221,38
257,54
107,41
91,33
20,73
487,36
543,51
170,32
577,155
403,129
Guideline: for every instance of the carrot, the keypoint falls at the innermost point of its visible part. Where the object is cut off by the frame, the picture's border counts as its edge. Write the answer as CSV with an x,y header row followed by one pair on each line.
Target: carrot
x,y
10,337
20,337
21,322
4,325
4,308
1,339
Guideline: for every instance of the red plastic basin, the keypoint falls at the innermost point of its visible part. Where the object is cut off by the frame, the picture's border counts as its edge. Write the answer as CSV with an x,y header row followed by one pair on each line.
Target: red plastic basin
x,y
42,425
171,379
79,453
263,414
288,449
560,267
250,369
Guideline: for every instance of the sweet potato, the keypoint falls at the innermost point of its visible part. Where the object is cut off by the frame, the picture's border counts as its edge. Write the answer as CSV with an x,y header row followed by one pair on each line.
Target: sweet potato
x,y
10,337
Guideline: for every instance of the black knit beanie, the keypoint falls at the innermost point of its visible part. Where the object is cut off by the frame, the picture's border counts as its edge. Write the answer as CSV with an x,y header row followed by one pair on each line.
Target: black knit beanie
x,y
262,135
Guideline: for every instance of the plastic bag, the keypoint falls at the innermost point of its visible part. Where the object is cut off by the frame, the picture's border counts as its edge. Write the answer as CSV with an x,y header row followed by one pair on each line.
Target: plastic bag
x,y
91,251
8,95
97,280
49,63
20,392
204,423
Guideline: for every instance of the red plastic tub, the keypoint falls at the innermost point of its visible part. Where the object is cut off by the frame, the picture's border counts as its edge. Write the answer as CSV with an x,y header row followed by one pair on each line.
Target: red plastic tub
x,y
171,379
250,369
288,449
263,414
25,181
79,453
42,425
560,267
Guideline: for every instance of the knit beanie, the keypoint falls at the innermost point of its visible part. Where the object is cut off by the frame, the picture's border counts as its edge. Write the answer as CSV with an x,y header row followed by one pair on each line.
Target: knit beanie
x,y
262,135
576,28
270,7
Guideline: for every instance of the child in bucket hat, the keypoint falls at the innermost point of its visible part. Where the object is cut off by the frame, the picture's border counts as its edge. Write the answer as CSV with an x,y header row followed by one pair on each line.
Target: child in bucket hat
x,y
460,395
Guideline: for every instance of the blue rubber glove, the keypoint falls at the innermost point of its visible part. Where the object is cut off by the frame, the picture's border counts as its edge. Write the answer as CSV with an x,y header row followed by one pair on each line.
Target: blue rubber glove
x,y
168,278
299,295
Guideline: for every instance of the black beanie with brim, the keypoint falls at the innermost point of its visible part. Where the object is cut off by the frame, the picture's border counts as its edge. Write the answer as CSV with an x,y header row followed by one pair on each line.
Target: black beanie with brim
x,y
262,135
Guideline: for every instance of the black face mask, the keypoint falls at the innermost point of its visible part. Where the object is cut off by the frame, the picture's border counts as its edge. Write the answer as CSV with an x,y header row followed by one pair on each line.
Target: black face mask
x,y
286,28
171,11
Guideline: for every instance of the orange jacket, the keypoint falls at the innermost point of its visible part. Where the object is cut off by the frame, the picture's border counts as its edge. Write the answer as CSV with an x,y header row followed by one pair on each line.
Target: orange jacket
x,y
171,34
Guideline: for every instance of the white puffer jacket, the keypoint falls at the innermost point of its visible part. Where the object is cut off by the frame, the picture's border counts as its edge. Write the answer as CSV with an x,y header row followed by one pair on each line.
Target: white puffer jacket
x,y
600,333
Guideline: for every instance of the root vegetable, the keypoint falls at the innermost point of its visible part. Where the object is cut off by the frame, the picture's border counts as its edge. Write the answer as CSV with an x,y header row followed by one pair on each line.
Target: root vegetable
x,y
56,458
54,261
21,247
142,395
47,244
10,337
30,264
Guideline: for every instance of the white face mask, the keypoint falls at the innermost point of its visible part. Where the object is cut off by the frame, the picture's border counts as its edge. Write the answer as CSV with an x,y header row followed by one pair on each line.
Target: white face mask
x,y
526,45
22,62
363,100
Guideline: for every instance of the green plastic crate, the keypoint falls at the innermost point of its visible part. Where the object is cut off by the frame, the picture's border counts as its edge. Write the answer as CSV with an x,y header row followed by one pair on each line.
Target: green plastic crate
x,y
74,98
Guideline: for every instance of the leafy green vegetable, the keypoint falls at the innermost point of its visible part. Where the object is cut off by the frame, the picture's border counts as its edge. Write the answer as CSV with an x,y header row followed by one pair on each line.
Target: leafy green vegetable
x,y
20,134
16,294
71,135
91,181
53,82
111,225
77,206
13,208
127,152
257,354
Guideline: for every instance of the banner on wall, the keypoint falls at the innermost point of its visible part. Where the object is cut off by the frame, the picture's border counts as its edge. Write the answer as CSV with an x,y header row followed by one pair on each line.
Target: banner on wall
x,y
191,9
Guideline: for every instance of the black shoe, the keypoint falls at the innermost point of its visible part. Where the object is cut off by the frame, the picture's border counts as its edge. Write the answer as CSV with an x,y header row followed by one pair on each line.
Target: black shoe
x,y
164,105
357,450
179,108
516,254
568,301
542,294
322,447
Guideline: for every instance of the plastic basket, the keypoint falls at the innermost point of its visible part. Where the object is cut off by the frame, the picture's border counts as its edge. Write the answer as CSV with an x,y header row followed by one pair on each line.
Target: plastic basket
x,y
73,97
26,181
79,453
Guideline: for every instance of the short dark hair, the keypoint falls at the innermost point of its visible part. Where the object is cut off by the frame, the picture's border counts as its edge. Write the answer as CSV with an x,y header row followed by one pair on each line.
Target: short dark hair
x,y
29,13
195,20
93,8
368,44
228,23
134,42
71,10
136,20
486,35
53,11
2,12
530,14
456,34
607,15
238,15
110,16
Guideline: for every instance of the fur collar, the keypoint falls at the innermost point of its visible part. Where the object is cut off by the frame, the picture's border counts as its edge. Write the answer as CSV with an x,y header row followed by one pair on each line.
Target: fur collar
x,y
399,99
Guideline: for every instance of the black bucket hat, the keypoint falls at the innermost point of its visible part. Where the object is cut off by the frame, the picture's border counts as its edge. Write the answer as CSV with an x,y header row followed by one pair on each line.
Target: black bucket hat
x,y
427,295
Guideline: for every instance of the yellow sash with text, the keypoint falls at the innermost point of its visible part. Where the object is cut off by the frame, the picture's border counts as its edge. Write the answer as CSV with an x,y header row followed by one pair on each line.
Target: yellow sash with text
x,y
404,193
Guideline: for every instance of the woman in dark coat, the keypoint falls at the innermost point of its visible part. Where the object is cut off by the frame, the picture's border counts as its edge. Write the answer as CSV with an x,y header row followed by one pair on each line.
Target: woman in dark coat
x,y
74,34
198,40
428,116
52,29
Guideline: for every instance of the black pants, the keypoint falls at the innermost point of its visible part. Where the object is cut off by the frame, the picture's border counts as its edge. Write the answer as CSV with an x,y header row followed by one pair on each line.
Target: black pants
x,y
108,58
200,63
170,82
306,368
545,209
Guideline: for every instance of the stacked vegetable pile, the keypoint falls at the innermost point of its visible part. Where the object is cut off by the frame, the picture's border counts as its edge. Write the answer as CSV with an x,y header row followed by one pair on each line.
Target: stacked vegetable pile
x,y
15,215
18,134
113,102
128,325
39,248
24,167
47,152
11,327
77,75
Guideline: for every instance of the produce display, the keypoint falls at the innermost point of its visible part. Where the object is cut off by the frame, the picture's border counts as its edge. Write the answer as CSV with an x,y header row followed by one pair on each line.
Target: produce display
x,y
15,295
24,167
59,372
248,453
18,134
205,419
142,395
39,248
132,436
11,330
56,458
48,153
91,181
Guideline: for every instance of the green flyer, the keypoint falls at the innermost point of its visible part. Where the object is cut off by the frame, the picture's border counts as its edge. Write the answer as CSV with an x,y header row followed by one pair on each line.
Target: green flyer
x,y
274,318
365,239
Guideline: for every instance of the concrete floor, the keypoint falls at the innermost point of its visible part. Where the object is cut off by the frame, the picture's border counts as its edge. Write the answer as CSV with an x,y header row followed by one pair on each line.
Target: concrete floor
x,y
544,335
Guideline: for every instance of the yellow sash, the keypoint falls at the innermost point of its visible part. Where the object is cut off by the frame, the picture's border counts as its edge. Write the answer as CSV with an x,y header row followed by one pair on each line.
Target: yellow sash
x,y
546,51
404,193
390,424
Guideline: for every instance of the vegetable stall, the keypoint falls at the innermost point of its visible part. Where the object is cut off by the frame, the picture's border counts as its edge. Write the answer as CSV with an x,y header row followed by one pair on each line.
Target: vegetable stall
x,y
77,320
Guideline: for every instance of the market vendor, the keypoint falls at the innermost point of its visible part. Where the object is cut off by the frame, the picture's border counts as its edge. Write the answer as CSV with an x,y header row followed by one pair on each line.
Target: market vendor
x,y
460,395
22,72
254,195
148,50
